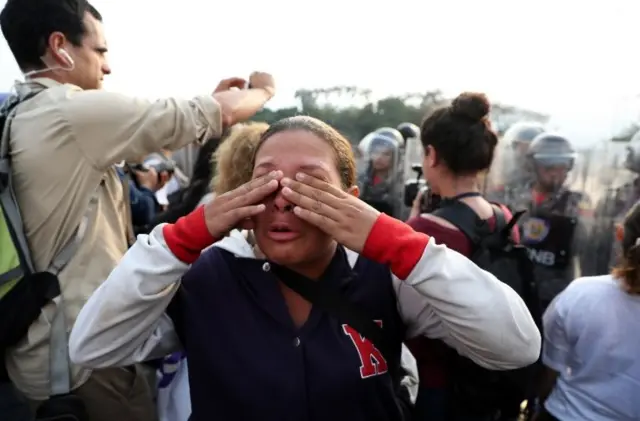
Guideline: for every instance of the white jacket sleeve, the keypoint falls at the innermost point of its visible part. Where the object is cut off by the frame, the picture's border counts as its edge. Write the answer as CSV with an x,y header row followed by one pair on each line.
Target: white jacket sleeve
x,y
448,297
443,295
124,320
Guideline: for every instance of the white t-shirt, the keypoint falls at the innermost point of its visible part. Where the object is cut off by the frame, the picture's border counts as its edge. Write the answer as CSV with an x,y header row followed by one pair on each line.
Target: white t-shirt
x,y
592,339
174,400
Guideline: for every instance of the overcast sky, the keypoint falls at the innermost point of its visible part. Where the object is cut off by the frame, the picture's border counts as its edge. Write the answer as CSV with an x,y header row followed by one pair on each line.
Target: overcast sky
x,y
575,60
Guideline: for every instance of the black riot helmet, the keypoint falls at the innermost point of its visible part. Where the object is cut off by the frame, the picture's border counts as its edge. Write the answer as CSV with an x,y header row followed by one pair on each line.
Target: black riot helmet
x,y
549,151
522,133
393,134
409,131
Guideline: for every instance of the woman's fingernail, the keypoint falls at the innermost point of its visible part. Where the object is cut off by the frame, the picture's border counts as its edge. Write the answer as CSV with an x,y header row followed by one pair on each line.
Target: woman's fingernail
x,y
287,191
300,176
285,182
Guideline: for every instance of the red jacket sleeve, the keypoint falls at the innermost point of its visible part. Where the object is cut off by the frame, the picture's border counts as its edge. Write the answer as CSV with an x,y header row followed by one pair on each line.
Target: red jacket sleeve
x,y
188,236
394,243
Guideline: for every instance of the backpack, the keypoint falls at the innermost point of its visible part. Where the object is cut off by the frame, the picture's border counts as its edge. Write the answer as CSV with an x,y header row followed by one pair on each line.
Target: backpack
x,y
475,390
22,292
25,291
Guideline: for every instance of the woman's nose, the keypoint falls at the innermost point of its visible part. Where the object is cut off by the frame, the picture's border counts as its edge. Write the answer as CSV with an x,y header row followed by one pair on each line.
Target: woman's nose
x,y
281,204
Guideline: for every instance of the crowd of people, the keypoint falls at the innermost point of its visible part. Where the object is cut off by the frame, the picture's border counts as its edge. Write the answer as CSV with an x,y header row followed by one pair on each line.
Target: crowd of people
x,y
181,263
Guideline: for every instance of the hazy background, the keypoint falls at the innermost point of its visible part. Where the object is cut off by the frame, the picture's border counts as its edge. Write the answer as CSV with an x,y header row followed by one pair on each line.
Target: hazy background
x,y
574,60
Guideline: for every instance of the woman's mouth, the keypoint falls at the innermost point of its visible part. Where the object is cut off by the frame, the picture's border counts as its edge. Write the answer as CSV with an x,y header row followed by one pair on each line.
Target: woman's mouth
x,y
282,233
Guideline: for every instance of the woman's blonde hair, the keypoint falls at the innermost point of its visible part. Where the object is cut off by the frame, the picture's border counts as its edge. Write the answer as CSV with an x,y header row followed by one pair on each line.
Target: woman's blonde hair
x,y
232,160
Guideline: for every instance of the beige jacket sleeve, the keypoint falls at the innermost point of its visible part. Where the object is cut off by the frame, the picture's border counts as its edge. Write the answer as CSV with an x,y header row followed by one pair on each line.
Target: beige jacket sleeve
x,y
111,127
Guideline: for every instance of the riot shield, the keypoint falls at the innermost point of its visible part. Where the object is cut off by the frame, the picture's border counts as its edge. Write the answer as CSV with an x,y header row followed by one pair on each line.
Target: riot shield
x,y
361,156
380,183
495,181
619,189
509,171
510,168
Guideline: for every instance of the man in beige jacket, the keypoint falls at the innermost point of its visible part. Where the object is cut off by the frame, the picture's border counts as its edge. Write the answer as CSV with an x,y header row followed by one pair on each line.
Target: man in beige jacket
x,y
64,144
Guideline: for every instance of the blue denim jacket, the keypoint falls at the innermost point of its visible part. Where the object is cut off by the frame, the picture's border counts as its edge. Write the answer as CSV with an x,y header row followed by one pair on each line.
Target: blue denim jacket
x,y
144,205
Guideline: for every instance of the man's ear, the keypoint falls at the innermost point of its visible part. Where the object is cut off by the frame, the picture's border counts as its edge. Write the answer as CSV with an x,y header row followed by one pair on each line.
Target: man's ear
x,y
430,158
354,191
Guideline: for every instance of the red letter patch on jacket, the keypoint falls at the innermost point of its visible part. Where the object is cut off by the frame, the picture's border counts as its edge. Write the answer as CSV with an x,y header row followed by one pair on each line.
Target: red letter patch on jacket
x,y
373,363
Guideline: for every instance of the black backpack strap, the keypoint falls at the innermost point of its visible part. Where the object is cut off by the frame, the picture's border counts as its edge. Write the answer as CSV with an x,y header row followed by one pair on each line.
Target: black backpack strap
x,y
465,219
501,220
339,306
336,304
525,266
502,226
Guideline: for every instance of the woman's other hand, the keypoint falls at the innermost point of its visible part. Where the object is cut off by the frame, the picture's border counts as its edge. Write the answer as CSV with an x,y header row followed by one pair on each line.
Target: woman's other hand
x,y
340,214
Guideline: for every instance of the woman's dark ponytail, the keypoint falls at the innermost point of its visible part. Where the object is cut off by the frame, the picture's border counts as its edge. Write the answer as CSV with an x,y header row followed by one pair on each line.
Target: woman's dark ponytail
x,y
628,268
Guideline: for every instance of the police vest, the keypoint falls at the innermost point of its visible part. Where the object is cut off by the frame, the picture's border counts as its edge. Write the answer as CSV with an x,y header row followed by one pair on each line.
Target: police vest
x,y
548,234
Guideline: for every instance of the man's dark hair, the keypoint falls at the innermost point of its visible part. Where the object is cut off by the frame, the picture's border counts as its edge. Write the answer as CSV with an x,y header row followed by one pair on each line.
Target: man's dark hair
x,y
28,24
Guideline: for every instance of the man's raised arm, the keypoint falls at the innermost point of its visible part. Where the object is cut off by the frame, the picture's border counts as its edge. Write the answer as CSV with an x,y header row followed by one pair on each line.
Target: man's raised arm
x,y
111,127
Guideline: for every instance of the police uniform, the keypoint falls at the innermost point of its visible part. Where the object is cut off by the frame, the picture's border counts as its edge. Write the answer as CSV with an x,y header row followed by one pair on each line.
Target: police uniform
x,y
554,233
557,225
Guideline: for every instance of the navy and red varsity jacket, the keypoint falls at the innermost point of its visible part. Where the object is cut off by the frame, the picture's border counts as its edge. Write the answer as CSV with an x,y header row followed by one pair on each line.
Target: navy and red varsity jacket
x,y
247,360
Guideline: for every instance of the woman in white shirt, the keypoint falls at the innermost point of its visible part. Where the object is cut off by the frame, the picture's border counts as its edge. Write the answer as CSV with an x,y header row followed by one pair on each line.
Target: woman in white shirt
x,y
591,349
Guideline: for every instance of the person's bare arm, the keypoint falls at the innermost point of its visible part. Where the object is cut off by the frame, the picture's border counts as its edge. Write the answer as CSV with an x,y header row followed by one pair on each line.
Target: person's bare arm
x,y
110,127
241,105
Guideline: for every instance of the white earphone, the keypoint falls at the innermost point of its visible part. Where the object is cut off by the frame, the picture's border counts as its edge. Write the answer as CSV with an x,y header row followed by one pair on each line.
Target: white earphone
x,y
69,67
66,55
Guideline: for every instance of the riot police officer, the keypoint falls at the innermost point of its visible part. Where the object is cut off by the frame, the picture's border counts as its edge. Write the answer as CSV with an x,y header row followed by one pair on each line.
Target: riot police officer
x,y
362,159
379,184
399,139
392,133
511,166
622,192
556,227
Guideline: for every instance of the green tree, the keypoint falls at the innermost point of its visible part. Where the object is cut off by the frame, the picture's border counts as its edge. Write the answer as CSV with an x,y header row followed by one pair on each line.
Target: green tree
x,y
356,121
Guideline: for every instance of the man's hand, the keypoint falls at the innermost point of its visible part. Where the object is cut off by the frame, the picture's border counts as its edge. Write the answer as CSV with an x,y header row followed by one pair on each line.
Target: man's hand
x,y
232,82
259,80
240,105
